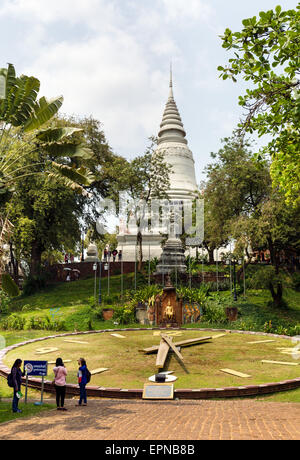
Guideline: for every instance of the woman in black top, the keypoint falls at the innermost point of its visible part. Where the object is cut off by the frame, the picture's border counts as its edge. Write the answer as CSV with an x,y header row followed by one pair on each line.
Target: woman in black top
x,y
17,375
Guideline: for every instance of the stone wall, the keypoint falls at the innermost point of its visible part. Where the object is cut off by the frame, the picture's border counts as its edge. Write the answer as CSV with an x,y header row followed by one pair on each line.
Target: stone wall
x,y
58,274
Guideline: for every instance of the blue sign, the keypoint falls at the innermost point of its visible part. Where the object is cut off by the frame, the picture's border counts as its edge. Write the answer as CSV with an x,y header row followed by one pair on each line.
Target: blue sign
x,y
36,368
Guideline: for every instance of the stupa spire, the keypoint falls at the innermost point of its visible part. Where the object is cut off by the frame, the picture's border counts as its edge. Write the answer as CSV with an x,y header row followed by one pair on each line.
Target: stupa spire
x,y
171,95
171,128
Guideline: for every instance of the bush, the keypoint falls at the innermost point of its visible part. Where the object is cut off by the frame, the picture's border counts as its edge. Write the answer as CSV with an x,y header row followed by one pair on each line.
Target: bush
x,y
214,310
4,303
13,322
27,307
124,315
296,281
34,283
214,313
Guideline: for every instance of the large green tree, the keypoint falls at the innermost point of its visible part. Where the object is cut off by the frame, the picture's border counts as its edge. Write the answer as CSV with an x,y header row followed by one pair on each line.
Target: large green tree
x,y
235,187
50,217
245,208
266,52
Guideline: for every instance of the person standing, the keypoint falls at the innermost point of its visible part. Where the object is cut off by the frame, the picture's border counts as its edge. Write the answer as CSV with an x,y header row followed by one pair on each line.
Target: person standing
x,y
120,256
16,375
114,253
105,254
60,373
82,381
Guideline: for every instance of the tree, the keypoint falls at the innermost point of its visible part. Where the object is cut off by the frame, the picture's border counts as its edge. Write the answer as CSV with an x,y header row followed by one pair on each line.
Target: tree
x,y
235,186
267,53
49,217
248,210
22,118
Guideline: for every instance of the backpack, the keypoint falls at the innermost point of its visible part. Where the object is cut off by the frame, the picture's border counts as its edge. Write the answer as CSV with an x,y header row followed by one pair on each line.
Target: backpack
x,y
10,382
88,375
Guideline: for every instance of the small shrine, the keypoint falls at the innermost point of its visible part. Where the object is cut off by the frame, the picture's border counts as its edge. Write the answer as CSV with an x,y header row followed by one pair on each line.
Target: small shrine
x,y
168,309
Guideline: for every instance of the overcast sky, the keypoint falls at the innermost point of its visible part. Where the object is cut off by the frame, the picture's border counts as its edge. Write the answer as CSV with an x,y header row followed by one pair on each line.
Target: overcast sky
x,y
111,58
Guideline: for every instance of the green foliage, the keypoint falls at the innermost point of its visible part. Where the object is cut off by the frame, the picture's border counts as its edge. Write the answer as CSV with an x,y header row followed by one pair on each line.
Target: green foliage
x,y
17,323
124,315
33,284
144,294
214,311
4,303
9,286
263,276
22,113
266,53
193,294
296,281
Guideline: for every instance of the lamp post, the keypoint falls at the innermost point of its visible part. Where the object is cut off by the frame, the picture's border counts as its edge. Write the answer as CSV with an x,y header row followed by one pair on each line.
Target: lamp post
x,y
100,275
95,288
234,261
82,248
106,268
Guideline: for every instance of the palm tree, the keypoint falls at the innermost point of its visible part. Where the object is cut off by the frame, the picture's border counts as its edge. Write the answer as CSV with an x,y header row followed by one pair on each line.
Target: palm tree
x,y
23,134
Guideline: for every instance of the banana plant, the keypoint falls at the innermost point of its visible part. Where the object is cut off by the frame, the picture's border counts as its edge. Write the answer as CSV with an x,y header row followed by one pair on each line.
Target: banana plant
x,y
23,118
22,115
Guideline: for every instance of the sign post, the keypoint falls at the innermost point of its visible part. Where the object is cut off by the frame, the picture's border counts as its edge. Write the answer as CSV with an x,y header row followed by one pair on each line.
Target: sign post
x,y
36,369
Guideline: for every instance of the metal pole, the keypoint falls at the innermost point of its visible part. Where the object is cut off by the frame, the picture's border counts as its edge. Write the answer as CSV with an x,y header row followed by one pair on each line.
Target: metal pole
x,y
95,285
122,274
149,267
108,276
202,266
42,392
217,256
135,273
100,276
244,278
26,388
190,273
234,280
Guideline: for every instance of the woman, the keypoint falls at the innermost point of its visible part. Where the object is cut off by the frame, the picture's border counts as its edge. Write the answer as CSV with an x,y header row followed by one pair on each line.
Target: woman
x,y
82,381
17,375
60,373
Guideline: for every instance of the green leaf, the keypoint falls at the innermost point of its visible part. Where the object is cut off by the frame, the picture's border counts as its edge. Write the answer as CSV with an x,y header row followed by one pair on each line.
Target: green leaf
x,y
69,150
44,110
56,134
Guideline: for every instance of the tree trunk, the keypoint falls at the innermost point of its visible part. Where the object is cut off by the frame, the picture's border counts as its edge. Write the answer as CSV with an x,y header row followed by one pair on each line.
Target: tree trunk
x,y
211,259
36,258
277,296
140,245
14,264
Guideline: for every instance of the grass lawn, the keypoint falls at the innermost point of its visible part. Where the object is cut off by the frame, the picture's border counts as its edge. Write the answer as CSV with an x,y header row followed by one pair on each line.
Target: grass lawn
x,y
130,368
28,410
72,300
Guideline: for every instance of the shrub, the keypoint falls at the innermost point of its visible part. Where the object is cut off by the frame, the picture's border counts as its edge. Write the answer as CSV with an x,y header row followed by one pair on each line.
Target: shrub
x,y
124,315
214,313
4,303
296,281
27,307
34,283
13,322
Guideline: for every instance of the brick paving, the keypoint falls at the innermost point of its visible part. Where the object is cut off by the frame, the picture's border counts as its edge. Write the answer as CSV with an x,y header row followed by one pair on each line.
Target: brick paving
x,y
172,420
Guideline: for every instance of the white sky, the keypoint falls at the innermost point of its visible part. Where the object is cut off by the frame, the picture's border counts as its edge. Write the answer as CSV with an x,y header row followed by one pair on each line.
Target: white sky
x,y
110,59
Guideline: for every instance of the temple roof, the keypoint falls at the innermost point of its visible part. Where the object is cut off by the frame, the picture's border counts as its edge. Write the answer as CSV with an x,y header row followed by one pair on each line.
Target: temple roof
x,y
171,128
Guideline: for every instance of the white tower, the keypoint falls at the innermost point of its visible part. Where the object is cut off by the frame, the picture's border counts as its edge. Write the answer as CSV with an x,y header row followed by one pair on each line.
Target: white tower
x,y
172,141
183,186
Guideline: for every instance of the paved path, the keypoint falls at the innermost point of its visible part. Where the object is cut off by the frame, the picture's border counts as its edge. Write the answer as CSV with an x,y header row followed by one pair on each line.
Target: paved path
x,y
174,420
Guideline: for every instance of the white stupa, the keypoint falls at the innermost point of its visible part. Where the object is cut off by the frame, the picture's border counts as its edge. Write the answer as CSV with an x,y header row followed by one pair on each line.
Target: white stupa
x,y
172,142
